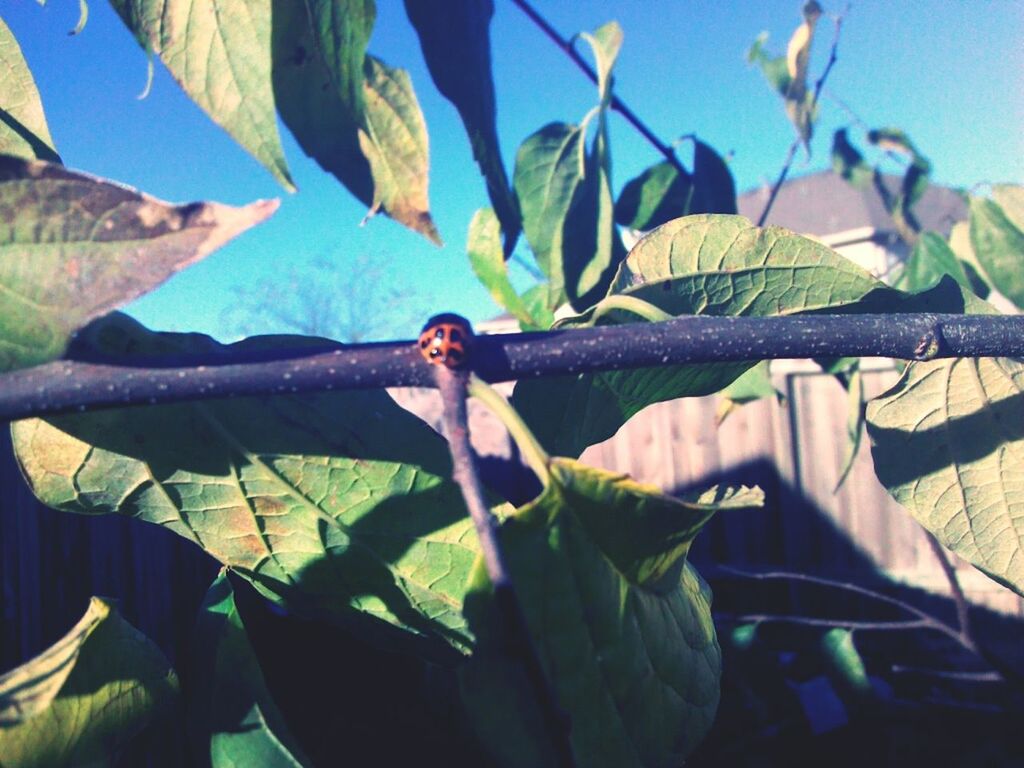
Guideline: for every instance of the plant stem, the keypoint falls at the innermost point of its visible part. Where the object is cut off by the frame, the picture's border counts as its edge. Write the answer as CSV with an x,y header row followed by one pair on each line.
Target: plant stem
x,y
632,304
791,154
616,103
453,387
959,598
531,450
88,380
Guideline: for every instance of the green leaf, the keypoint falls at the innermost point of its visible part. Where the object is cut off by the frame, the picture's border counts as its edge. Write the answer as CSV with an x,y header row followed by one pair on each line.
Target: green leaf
x,y
220,54
960,243
74,247
23,129
336,505
848,162
948,443
656,196
455,38
1010,197
772,67
755,384
854,422
621,622
844,661
488,262
319,48
998,245
565,195
605,42
81,701
661,193
698,265
536,303
799,99
233,720
929,261
395,144
714,190
549,170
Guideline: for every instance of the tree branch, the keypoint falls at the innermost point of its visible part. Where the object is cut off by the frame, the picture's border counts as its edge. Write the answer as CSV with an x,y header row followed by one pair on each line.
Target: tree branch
x,y
617,104
452,385
87,381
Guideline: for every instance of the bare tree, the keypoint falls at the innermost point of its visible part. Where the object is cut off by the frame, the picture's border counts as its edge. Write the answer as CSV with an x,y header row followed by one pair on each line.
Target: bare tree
x,y
355,300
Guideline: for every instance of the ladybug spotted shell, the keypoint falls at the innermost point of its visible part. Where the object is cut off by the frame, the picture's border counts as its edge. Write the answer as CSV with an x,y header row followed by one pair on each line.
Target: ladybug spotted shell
x,y
445,340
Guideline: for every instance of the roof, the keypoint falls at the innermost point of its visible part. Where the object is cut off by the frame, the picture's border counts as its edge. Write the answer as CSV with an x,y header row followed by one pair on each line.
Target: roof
x,y
824,204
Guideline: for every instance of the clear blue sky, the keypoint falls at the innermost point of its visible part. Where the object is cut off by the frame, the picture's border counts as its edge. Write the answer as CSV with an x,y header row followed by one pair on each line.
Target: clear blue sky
x,y
948,72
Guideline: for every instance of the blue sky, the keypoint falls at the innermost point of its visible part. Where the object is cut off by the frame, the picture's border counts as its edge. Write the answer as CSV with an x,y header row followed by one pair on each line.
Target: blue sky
x,y
949,73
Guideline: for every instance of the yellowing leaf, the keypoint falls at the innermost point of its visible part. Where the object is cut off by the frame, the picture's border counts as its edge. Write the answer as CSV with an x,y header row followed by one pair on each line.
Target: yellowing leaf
x,y
948,443
74,247
83,699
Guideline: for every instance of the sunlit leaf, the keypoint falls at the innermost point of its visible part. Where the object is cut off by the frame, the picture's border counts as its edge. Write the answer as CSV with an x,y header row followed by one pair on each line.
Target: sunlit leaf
x,y
998,244
82,700
336,505
74,247
773,67
232,718
1010,197
948,443
488,262
536,301
455,38
929,261
622,623
799,100
960,243
23,129
219,52
549,170
698,265
605,42
395,144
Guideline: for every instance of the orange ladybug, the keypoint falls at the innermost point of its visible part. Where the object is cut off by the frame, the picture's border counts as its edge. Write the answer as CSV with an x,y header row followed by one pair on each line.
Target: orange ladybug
x,y
446,339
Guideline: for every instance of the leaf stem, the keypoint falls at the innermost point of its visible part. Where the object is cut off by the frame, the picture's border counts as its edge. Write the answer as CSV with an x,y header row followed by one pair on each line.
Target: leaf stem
x,y
632,304
453,387
532,451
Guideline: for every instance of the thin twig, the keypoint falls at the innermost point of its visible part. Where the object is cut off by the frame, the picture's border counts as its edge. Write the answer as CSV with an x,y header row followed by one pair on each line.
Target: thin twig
x,y
616,103
963,616
90,381
452,385
791,154
924,619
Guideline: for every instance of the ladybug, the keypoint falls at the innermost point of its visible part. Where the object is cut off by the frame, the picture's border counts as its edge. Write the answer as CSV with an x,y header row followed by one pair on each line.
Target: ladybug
x,y
446,339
